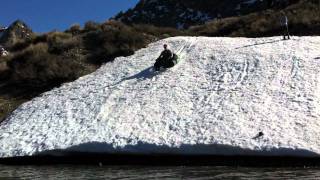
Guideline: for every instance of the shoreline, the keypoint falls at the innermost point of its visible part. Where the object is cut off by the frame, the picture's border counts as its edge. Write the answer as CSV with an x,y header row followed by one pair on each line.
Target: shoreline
x,y
164,160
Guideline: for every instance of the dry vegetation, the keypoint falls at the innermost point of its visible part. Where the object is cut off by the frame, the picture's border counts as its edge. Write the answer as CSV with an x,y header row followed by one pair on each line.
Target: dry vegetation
x,y
304,19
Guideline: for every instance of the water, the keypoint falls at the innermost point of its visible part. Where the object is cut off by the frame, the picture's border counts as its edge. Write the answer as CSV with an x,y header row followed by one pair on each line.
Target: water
x,y
138,173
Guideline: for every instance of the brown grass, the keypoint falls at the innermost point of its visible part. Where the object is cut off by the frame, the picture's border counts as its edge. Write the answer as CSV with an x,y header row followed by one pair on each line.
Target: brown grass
x,y
8,105
304,19
35,67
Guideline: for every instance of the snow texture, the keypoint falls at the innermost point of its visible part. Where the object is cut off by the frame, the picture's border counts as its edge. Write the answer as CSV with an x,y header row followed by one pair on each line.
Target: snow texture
x,y
228,96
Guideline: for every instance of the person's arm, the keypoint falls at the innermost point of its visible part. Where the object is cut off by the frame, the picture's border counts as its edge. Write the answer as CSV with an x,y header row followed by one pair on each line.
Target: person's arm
x,y
161,55
171,54
283,20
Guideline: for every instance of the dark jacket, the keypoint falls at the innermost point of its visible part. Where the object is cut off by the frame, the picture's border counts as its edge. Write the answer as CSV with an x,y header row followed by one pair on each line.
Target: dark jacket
x,y
166,54
284,20
167,59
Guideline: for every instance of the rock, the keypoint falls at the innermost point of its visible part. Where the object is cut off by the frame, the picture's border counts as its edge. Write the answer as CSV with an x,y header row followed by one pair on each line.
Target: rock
x,y
17,31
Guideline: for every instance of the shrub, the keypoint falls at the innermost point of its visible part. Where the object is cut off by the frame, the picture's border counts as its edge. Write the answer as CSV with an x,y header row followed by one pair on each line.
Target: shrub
x,y
9,105
23,44
59,42
4,70
36,68
112,40
160,32
74,29
91,26
20,45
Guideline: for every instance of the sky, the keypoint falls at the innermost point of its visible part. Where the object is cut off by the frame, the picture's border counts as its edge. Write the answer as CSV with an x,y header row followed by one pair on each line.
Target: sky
x,y
47,15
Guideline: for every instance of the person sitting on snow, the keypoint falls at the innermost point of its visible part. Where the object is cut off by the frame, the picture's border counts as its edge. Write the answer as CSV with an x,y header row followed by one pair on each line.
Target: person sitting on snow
x,y
166,59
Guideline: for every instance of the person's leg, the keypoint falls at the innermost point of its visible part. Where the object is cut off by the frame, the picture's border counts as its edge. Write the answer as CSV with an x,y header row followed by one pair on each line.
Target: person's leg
x,y
169,63
157,65
284,32
287,28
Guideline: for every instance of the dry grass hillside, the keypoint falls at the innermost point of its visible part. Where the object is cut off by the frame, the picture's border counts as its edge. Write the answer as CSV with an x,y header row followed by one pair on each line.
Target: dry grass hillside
x,y
304,19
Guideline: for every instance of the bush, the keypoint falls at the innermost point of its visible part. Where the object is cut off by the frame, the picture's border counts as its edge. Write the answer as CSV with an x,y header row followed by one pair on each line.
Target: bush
x,y
9,105
75,29
23,44
60,42
36,68
113,39
91,26
160,32
20,45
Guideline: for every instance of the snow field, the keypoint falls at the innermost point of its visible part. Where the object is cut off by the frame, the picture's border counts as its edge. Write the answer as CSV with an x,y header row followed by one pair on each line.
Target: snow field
x,y
221,95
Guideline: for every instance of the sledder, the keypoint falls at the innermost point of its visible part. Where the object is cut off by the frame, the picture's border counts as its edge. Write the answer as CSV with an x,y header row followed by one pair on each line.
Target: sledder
x,y
167,59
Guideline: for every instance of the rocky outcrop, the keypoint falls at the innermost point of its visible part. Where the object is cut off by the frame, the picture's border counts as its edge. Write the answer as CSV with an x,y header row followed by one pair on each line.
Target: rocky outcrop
x,y
17,31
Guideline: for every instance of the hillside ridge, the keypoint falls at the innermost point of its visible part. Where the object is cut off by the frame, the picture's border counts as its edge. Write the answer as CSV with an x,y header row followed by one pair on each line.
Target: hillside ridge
x,y
182,14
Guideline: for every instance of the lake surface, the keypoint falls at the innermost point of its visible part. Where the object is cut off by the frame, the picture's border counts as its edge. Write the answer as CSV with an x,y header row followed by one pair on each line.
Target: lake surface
x,y
134,172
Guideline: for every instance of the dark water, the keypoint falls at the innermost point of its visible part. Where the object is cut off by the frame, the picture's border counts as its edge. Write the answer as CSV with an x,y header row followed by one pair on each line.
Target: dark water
x,y
133,172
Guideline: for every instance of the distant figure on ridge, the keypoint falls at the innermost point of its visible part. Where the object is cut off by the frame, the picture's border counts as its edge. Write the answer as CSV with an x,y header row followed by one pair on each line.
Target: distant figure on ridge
x,y
284,25
167,59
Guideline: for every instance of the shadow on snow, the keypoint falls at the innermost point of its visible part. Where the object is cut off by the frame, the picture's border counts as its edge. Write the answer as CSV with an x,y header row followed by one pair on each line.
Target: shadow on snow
x,y
148,73
184,149
256,44
97,153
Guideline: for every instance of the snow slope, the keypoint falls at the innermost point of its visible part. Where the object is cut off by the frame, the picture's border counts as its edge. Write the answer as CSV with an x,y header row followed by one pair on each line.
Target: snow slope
x,y
224,92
